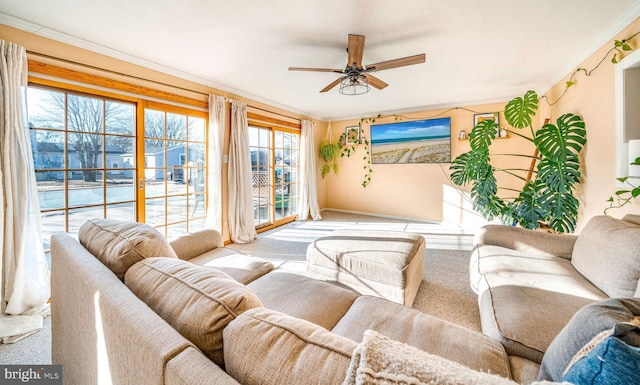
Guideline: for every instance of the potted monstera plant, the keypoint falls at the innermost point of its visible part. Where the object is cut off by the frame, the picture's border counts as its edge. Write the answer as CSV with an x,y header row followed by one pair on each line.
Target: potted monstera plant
x,y
546,199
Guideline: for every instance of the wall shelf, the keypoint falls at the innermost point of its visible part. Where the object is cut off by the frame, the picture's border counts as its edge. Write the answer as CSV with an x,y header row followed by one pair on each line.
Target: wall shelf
x,y
500,137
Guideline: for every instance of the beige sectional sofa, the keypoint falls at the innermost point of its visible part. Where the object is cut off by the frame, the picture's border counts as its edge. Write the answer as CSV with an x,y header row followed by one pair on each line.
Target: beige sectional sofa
x,y
130,308
530,283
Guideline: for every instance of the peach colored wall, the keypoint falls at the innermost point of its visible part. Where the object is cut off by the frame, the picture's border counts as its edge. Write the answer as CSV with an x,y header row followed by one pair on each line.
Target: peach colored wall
x,y
593,97
421,191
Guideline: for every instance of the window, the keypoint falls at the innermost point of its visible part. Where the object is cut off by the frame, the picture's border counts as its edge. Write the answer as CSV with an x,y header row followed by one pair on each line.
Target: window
x,y
84,151
174,173
97,155
274,167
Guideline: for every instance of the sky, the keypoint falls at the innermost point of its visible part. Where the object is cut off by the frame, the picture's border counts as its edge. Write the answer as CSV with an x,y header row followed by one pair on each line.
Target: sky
x,y
411,129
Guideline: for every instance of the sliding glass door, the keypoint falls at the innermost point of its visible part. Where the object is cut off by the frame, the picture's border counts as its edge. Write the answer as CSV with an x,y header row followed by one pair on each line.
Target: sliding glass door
x,y
274,170
83,150
98,156
174,169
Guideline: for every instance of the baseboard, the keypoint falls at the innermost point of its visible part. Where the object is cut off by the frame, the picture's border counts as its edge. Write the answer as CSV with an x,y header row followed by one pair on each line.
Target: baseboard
x,y
381,215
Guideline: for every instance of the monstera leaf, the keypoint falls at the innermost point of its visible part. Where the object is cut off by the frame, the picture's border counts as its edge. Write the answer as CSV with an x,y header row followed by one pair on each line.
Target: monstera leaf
x,y
478,166
485,200
520,111
458,169
562,209
560,176
528,206
482,134
557,142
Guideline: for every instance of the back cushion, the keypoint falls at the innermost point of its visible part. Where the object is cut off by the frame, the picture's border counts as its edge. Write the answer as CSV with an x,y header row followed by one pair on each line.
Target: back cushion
x,y
265,347
197,301
120,244
607,253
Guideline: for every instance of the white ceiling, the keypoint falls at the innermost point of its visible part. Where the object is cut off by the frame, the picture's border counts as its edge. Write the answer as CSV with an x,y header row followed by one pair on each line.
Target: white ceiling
x,y
477,51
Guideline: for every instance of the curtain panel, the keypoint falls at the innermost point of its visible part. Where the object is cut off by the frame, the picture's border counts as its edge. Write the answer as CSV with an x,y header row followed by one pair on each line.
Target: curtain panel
x,y
242,227
214,152
308,189
25,284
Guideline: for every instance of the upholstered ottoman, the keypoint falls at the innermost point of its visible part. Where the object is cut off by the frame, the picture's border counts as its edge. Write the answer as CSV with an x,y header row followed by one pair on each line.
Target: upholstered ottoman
x,y
387,264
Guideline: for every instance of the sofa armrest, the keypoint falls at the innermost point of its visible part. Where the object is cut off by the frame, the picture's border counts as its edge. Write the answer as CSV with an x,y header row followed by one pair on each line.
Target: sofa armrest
x,y
632,218
191,245
518,238
192,367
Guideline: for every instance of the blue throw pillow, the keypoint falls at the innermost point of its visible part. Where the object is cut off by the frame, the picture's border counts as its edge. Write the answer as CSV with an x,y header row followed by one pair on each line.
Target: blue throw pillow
x,y
582,328
611,362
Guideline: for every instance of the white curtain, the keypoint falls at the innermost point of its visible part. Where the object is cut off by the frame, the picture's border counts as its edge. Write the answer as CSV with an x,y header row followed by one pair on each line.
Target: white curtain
x,y
214,176
308,189
25,285
241,224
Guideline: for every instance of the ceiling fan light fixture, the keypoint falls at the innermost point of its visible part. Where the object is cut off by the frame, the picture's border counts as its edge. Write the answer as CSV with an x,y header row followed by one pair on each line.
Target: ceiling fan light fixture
x,y
354,85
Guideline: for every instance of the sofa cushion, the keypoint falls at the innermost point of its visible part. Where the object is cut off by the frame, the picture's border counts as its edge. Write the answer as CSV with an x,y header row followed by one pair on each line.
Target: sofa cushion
x,y
607,253
197,301
524,319
191,245
267,347
241,267
425,332
528,268
582,328
299,296
120,244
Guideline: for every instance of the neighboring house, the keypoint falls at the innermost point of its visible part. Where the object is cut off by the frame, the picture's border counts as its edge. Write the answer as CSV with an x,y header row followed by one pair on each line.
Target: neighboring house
x,y
154,163
50,156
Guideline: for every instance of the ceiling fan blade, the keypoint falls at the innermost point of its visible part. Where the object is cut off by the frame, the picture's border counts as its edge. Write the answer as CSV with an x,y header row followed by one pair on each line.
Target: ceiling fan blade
x,y
355,50
315,69
405,61
333,84
375,82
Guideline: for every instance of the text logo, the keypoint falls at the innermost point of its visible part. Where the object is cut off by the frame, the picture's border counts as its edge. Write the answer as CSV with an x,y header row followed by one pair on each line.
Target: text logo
x,y
31,374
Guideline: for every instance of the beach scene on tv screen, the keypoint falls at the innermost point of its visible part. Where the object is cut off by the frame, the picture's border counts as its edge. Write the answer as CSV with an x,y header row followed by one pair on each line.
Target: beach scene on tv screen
x,y
419,141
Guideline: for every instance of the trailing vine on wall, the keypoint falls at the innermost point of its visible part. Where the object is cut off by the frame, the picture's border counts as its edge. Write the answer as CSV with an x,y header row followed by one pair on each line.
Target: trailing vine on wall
x,y
619,47
350,149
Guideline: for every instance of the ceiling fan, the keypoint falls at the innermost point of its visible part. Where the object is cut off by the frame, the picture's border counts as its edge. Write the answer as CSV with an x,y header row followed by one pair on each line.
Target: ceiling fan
x,y
356,77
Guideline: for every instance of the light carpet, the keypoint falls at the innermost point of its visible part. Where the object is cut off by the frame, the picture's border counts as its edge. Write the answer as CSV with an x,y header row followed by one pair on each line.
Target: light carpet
x,y
444,292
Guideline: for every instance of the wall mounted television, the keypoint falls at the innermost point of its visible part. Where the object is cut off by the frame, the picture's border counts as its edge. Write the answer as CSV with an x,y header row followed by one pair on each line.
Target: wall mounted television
x,y
418,141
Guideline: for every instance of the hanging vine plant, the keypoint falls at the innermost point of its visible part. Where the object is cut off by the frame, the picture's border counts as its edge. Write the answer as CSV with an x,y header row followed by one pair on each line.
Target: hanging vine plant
x,y
347,150
329,152
547,198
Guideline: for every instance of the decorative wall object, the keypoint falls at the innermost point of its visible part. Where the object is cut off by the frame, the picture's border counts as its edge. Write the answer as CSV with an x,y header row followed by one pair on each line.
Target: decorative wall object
x,y
495,116
352,135
419,141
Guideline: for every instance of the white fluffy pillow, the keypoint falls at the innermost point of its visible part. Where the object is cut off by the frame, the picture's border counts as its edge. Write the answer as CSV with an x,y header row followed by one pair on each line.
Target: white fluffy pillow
x,y
379,360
